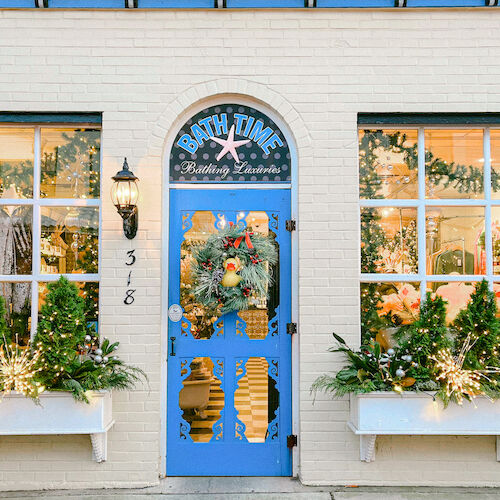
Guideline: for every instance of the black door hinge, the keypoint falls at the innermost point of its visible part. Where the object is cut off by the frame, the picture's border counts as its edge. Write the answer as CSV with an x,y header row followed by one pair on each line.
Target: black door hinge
x,y
291,328
291,441
291,225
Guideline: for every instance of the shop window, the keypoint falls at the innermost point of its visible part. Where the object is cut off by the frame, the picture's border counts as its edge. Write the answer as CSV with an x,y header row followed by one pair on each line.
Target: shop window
x,y
440,231
49,219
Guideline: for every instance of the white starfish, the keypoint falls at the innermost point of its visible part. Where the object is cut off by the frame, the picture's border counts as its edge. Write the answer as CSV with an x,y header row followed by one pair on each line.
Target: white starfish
x,y
229,144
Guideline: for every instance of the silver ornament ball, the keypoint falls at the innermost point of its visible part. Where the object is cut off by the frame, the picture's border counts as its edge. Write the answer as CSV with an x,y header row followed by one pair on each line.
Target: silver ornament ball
x,y
98,359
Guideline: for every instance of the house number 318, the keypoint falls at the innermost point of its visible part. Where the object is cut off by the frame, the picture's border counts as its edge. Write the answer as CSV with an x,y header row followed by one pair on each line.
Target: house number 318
x,y
129,293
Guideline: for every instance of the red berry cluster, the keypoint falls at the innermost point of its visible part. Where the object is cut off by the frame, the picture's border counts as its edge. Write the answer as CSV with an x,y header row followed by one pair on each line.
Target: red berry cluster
x,y
207,265
246,291
228,242
254,259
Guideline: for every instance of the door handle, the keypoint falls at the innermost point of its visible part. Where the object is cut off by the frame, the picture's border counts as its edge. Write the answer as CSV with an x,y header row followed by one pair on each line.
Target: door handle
x,y
172,346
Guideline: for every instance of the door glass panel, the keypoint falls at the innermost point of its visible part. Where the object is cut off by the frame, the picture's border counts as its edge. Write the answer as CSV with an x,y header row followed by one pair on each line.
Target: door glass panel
x,y
16,224
201,399
255,321
198,320
256,400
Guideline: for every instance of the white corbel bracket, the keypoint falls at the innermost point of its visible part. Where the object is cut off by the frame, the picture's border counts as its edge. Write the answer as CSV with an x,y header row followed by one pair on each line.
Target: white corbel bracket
x,y
99,446
367,447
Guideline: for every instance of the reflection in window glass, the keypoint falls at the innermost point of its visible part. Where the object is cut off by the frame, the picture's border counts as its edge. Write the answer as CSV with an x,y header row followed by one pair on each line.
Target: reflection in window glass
x,y
69,240
454,163
15,239
495,163
17,298
89,291
454,240
457,295
16,162
389,240
70,163
386,306
388,164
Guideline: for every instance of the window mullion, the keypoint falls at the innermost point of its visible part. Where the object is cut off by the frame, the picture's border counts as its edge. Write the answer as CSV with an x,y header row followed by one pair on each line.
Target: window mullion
x,y
421,235
488,243
36,231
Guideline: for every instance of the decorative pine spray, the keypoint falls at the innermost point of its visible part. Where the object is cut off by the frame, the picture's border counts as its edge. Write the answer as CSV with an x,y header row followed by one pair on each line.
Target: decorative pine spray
x,y
61,331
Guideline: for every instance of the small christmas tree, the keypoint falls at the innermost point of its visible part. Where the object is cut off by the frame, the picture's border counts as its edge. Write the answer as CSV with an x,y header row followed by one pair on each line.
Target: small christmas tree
x,y
426,336
479,326
61,332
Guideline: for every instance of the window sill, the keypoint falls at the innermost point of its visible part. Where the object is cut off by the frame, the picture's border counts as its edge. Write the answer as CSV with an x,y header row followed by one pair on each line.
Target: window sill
x,y
59,413
388,413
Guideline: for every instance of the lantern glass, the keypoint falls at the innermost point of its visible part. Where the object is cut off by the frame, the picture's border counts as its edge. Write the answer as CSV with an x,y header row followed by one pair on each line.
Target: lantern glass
x,y
124,193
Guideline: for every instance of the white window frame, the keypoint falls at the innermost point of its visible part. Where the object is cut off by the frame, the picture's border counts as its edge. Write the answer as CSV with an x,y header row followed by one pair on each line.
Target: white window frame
x,y
37,202
422,202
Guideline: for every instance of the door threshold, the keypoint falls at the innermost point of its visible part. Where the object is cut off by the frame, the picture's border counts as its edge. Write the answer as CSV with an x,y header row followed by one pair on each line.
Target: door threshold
x,y
233,485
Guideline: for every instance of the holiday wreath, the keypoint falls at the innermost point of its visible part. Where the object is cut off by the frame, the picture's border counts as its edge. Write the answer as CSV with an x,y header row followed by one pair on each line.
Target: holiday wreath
x,y
233,265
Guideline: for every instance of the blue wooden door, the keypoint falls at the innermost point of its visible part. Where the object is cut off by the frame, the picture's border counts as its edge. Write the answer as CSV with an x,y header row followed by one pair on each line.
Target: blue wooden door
x,y
229,376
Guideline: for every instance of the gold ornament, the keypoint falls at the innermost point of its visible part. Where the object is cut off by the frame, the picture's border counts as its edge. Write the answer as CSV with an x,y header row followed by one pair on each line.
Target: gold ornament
x,y
230,278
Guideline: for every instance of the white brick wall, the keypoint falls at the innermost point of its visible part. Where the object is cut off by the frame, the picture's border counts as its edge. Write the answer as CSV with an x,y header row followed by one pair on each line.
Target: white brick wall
x,y
317,68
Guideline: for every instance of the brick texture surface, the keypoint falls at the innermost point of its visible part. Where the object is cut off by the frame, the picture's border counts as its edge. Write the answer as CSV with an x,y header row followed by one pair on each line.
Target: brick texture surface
x,y
317,69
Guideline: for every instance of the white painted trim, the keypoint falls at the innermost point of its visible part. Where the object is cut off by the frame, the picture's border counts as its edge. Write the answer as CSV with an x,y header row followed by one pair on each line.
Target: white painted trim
x,y
166,185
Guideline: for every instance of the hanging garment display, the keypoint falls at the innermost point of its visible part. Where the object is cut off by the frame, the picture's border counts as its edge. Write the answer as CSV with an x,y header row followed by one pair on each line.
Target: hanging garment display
x,y
15,257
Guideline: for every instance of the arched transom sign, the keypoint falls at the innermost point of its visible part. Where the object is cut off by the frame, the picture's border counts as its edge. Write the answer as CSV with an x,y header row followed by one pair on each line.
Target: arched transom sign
x,y
230,143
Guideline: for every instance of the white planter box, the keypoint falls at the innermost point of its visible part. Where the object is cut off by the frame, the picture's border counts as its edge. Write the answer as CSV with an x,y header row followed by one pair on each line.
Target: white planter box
x,y
417,413
59,413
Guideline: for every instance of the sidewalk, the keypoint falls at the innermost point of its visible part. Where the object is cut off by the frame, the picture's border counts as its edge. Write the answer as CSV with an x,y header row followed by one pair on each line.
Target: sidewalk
x,y
219,488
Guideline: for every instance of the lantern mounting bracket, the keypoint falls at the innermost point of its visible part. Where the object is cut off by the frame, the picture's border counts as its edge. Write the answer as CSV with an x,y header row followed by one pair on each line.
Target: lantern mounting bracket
x,y
130,223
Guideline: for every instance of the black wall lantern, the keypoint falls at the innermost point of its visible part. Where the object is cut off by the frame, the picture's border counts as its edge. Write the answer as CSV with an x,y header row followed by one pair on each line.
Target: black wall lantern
x,y
124,194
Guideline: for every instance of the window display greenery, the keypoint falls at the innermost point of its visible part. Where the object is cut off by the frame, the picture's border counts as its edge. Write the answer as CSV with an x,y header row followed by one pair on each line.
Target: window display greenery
x,y
66,354
456,362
